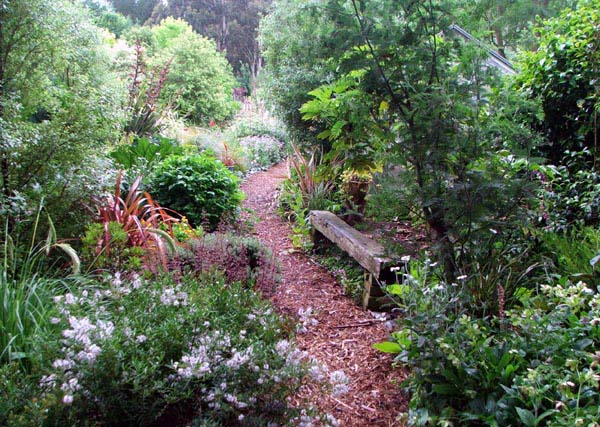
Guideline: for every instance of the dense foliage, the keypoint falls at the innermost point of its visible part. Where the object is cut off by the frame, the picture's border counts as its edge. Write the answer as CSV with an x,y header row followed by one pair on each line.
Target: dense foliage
x,y
198,187
563,73
535,364
200,81
148,350
58,108
499,316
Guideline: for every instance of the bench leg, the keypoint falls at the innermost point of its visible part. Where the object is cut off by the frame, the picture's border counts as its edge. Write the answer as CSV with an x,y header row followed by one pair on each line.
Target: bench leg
x,y
367,289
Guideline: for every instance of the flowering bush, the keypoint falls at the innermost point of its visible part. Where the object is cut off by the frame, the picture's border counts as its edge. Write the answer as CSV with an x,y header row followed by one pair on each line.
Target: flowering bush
x,y
135,352
244,260
262,151
258,122
535,364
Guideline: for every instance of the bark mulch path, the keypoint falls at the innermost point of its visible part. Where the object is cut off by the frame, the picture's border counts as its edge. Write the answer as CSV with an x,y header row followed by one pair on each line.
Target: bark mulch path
x,y
338,333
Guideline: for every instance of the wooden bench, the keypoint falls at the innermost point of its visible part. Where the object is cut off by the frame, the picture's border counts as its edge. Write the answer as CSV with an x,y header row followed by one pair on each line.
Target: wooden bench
x,y
366,251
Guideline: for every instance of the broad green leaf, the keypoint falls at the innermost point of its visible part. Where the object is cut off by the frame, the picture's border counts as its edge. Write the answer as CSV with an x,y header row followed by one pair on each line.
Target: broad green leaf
x,y
397,289
526,417
387,347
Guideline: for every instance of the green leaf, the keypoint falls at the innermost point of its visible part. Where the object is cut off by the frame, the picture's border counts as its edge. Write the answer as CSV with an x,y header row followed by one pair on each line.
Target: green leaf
x,y
397,289
445,389
383,106
387,347
336,129
526,416
17,355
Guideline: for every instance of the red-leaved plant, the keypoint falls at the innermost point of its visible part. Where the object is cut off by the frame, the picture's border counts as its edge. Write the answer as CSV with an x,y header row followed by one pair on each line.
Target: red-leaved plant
x,y
148,225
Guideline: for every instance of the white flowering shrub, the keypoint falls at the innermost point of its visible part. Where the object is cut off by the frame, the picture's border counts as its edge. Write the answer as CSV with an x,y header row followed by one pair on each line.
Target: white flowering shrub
x,y
263,151
137,352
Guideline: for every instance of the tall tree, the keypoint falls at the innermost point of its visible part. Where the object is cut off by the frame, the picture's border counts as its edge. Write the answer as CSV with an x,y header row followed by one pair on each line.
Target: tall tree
x,y
506,25
397,82
138,10
232,24
58,103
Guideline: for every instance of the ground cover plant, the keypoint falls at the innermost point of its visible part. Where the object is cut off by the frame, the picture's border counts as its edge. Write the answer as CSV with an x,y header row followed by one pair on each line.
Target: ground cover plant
x,y
531,364
239,259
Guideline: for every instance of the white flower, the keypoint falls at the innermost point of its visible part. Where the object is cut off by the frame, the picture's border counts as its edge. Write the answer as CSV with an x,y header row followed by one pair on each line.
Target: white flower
x,y
71,386
48,381
80,330
70,299
67,399
339,381
63,364
170,297
89,354
282,347
106,328
405,258
339,390
331,421
137,282
317,371
141,338
116,282
238,359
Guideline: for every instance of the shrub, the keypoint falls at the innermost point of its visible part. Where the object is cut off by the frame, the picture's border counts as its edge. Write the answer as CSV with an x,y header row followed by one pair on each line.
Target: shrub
x,y
262,152
131,229
198,187
571,197
534,364
258,122
147,351
200,79
574,253
240,259
54,123
140,155
562,73
387,199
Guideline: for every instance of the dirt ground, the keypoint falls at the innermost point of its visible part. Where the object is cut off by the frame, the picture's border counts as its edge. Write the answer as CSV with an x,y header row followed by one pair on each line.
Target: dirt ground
x,y
336,332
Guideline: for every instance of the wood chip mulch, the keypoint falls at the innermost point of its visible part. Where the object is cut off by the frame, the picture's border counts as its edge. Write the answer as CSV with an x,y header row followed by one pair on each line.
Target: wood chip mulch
x,y
338,333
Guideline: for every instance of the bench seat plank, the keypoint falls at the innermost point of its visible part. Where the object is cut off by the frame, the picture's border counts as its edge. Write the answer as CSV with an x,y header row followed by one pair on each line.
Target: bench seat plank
x,y
367,252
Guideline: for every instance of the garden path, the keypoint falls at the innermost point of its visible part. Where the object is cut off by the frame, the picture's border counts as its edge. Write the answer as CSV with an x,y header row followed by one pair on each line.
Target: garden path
x,y
337,332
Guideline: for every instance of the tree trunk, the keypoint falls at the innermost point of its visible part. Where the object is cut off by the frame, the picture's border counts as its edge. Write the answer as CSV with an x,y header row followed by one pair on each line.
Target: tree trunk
x,y
4,167
498,34
436,219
